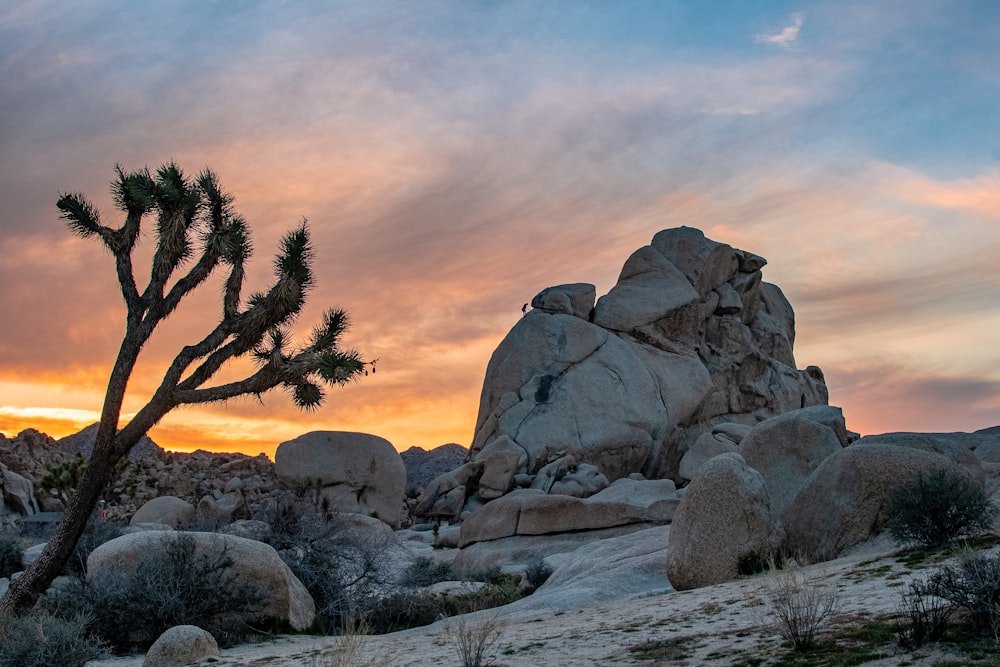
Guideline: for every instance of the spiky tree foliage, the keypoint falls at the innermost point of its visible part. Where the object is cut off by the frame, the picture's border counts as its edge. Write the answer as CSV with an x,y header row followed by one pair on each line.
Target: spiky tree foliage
x,y
197,231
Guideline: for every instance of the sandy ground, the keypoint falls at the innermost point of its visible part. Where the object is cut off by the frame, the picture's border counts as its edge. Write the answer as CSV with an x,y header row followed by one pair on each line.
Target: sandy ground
x,y
718,625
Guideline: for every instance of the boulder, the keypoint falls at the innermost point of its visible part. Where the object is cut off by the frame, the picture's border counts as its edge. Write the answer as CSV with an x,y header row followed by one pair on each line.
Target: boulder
x,y
222,510
251,529
846,499
168,510
705,448
534,512
353,472
285,599
566,476
985,443
576,300
954,446
17,492
786,449
724,516
181,645
502,460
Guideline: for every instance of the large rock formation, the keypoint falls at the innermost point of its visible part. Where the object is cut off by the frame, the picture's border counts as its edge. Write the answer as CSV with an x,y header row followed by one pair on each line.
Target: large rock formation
x,y
351,472
689,338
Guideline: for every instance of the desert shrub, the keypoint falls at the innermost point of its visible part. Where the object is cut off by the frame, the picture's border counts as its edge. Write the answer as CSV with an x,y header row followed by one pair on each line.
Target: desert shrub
x,y
171,586
405,609
475,641
10,553
342,567
424,571
491,575
40,639
973,585
537,572
353,649
751,563
798,606
939,507
924,613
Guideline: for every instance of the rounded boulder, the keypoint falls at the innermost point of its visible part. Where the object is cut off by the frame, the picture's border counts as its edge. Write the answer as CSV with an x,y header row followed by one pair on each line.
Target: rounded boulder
x,y
354,472
724,515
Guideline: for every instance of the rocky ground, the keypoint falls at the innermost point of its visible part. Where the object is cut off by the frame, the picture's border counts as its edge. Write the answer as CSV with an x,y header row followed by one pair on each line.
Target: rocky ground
x,y
725,624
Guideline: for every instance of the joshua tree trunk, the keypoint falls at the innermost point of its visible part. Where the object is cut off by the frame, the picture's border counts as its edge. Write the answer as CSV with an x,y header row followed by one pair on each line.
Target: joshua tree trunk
x,y
188,211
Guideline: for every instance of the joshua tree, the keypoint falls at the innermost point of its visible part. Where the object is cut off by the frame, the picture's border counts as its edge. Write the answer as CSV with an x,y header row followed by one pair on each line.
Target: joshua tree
x,y
196,230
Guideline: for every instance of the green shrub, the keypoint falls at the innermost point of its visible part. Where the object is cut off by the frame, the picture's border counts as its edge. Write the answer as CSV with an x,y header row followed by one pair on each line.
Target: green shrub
x,y
939,507
40,639
924,614
537,572
424,571
973,585
799,605
10,553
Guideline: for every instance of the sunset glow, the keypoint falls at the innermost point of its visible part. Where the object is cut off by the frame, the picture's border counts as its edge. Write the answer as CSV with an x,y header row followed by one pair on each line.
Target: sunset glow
x,y
453,159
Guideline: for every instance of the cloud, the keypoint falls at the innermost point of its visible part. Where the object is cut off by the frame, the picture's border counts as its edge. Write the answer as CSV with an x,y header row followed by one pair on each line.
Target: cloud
x,y
786,37
887,396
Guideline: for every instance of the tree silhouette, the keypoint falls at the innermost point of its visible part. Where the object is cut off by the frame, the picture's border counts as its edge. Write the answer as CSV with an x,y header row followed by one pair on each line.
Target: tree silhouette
x,y
196,229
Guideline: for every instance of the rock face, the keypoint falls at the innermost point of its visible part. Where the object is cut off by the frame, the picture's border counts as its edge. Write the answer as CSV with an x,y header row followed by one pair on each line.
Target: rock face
x,y
17,493
352,472
689,338
181,645
724,516
533,512
786,449
256,563
846,498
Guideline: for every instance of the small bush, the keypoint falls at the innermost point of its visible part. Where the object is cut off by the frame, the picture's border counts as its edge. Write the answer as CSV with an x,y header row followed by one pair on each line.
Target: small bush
x,y
973,584
353,649
939,507
490,575
751,563
475,641
537,572
799,605
10,553
40,639
924,614
424,571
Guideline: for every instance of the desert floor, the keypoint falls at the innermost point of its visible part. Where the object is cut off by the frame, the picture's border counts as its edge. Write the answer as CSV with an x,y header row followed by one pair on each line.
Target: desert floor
x,y
726,624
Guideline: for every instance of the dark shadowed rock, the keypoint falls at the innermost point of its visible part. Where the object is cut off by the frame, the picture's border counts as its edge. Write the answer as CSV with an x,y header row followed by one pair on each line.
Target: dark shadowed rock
x,y
423,465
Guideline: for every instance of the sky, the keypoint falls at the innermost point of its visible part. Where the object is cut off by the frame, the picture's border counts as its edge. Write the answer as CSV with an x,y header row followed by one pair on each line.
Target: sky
x,y
455,158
